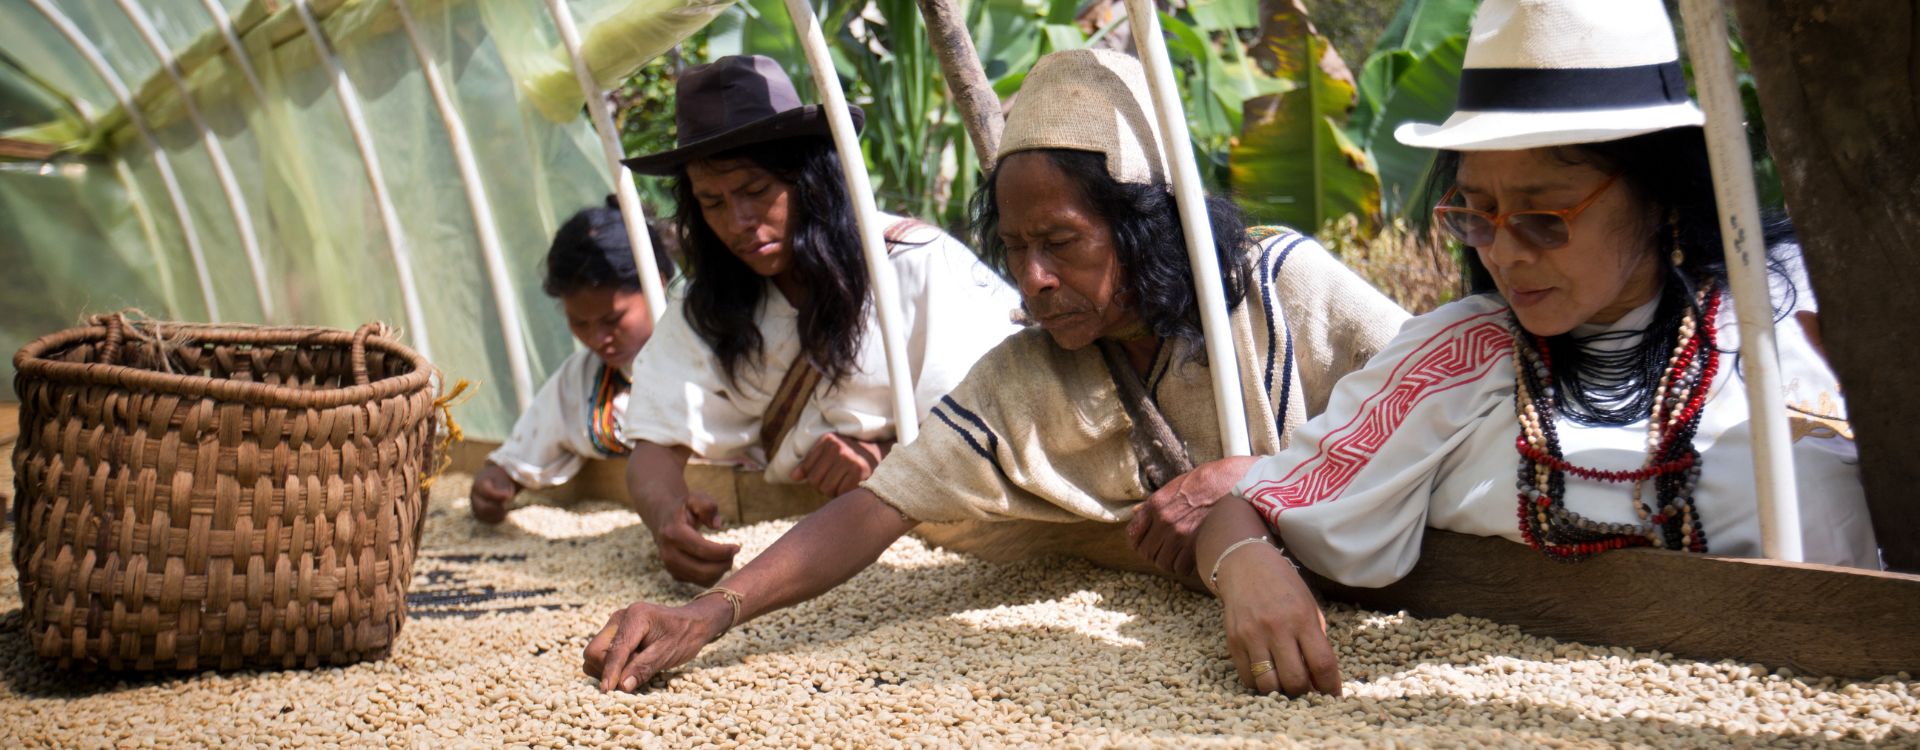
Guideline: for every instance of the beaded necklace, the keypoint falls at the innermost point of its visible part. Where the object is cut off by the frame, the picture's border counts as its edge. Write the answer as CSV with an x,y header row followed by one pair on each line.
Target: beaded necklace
x,y
603,427
1672,464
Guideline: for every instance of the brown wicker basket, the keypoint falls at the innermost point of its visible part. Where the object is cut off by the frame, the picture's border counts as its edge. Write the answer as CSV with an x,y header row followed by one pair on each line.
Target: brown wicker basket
x,y
192,496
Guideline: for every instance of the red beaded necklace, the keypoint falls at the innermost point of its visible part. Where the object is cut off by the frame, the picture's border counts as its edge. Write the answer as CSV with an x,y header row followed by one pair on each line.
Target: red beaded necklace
x,y
1672,464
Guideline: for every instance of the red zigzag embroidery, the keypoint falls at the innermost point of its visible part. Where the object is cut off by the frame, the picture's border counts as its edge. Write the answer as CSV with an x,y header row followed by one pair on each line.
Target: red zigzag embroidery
x,y
1458,358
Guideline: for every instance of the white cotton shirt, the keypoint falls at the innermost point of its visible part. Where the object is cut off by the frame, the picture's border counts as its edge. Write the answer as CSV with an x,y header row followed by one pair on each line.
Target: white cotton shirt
x,y
954,308
1424,436
552,439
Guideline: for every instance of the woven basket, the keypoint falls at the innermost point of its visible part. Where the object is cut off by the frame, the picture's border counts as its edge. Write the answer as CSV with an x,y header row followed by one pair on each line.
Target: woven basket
x,y
192,496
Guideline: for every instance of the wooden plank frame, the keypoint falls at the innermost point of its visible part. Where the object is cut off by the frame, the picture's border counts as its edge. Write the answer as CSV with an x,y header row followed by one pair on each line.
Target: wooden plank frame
x,y
1813,619
743,496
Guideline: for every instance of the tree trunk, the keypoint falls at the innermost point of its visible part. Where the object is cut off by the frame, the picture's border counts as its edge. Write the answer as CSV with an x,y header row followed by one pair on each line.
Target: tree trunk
x,y
1839,83
960,66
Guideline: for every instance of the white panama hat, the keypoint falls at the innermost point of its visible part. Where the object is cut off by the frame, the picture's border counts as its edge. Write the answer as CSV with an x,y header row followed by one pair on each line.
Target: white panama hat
x,y
1560,72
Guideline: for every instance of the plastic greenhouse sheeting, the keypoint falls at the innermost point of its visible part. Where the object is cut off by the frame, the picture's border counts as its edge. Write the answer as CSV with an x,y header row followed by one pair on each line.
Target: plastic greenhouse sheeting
x,y
89,223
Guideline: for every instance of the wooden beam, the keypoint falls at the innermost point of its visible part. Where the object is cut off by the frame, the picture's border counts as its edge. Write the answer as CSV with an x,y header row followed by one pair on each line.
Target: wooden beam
x,y
14,148
1814,619
1842,101
743,496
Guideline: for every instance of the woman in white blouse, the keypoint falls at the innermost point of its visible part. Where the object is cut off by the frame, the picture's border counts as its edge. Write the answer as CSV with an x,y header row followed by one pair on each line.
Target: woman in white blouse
x,y
1586,396
773,355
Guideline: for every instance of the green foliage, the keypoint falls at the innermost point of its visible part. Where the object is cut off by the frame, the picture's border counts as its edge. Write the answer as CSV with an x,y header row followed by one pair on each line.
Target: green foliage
x,y
643,111
1424,92
1422,25
1217,76
1294,162
1413,75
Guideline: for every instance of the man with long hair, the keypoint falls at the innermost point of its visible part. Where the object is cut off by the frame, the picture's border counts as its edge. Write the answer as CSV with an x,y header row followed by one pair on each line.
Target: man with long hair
x,y
1101,412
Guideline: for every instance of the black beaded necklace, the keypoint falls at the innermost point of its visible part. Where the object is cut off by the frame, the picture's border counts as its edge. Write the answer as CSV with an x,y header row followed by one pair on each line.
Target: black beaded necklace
x,y
1673,464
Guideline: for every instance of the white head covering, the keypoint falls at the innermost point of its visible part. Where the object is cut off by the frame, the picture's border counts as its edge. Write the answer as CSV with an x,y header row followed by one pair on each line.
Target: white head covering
x,y
1560,72
1089,100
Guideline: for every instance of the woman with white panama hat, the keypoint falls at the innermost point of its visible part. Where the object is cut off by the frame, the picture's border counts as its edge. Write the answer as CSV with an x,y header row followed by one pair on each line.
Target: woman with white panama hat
x,y
1592,371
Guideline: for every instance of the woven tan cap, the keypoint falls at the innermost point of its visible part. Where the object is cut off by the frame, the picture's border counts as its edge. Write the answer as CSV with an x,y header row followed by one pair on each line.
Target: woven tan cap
x,y
1089,100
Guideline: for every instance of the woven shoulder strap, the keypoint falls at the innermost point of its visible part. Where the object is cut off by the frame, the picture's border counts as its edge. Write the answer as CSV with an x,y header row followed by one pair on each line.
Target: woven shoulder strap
x,y
802,378
1261,234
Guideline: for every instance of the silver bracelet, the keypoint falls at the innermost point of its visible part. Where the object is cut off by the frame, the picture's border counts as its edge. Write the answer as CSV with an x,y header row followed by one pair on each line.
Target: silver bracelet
x,y
1213,578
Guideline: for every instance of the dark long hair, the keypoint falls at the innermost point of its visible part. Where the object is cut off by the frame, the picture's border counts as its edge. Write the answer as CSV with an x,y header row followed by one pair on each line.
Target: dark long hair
x,y
1147,236
724,295
1666,170
591,251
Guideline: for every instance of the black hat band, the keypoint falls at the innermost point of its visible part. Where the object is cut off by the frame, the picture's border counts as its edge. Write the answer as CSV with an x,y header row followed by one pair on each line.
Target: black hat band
x,y
1550,89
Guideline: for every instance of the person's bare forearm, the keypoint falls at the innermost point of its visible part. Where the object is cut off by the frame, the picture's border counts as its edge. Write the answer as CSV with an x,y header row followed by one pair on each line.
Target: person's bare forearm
x,y
655,477
1230,520
825,549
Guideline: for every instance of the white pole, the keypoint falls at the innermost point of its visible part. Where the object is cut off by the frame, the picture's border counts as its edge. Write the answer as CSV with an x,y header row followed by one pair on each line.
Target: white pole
x,y
224,23
853,165
349,97
216,153
633,214
1727,151
484,226
100,66
1228,401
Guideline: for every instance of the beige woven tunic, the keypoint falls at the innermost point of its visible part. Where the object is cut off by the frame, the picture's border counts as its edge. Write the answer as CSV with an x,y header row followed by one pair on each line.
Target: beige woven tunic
x,y
1037,432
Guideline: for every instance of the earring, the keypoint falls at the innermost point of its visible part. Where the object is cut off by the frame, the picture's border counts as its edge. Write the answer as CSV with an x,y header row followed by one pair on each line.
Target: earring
x,y
1679,256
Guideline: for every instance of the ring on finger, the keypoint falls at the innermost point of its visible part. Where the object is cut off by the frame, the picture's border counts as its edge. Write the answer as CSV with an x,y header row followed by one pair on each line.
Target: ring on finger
x,y
1261,667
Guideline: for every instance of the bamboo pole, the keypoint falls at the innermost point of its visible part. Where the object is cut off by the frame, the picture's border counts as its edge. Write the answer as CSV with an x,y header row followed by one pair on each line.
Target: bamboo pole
x,y
161,163
1184,175
860,190
960,66
1727,151
216,153
635,216
485,228
397,246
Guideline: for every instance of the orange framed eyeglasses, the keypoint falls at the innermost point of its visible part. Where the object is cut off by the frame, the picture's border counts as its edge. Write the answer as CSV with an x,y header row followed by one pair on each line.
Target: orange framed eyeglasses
x,y
1540,229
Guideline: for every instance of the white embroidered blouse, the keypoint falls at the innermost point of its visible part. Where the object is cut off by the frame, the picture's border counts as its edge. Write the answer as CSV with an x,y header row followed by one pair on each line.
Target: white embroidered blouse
x,y
1424,437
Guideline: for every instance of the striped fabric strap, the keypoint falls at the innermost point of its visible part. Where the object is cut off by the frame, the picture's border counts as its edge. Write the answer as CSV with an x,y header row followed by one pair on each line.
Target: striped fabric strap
x,y
603,421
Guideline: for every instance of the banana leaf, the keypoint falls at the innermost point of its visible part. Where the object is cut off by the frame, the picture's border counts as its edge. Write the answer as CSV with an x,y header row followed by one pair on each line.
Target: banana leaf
x,y
1376,82
1425,93
1422,25
1224,15
1294,163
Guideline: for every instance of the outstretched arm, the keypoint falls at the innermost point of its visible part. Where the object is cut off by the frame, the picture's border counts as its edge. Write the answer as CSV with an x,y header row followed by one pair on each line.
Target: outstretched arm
x,y
824,550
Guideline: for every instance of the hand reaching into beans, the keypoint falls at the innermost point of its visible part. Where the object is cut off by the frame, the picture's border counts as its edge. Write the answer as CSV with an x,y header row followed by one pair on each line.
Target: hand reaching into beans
x,y
687,554
643,640
837,464
492,495
1275,630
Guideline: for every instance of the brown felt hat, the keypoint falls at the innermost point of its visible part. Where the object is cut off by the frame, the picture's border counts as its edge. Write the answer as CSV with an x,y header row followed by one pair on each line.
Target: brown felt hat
x,y
735,101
